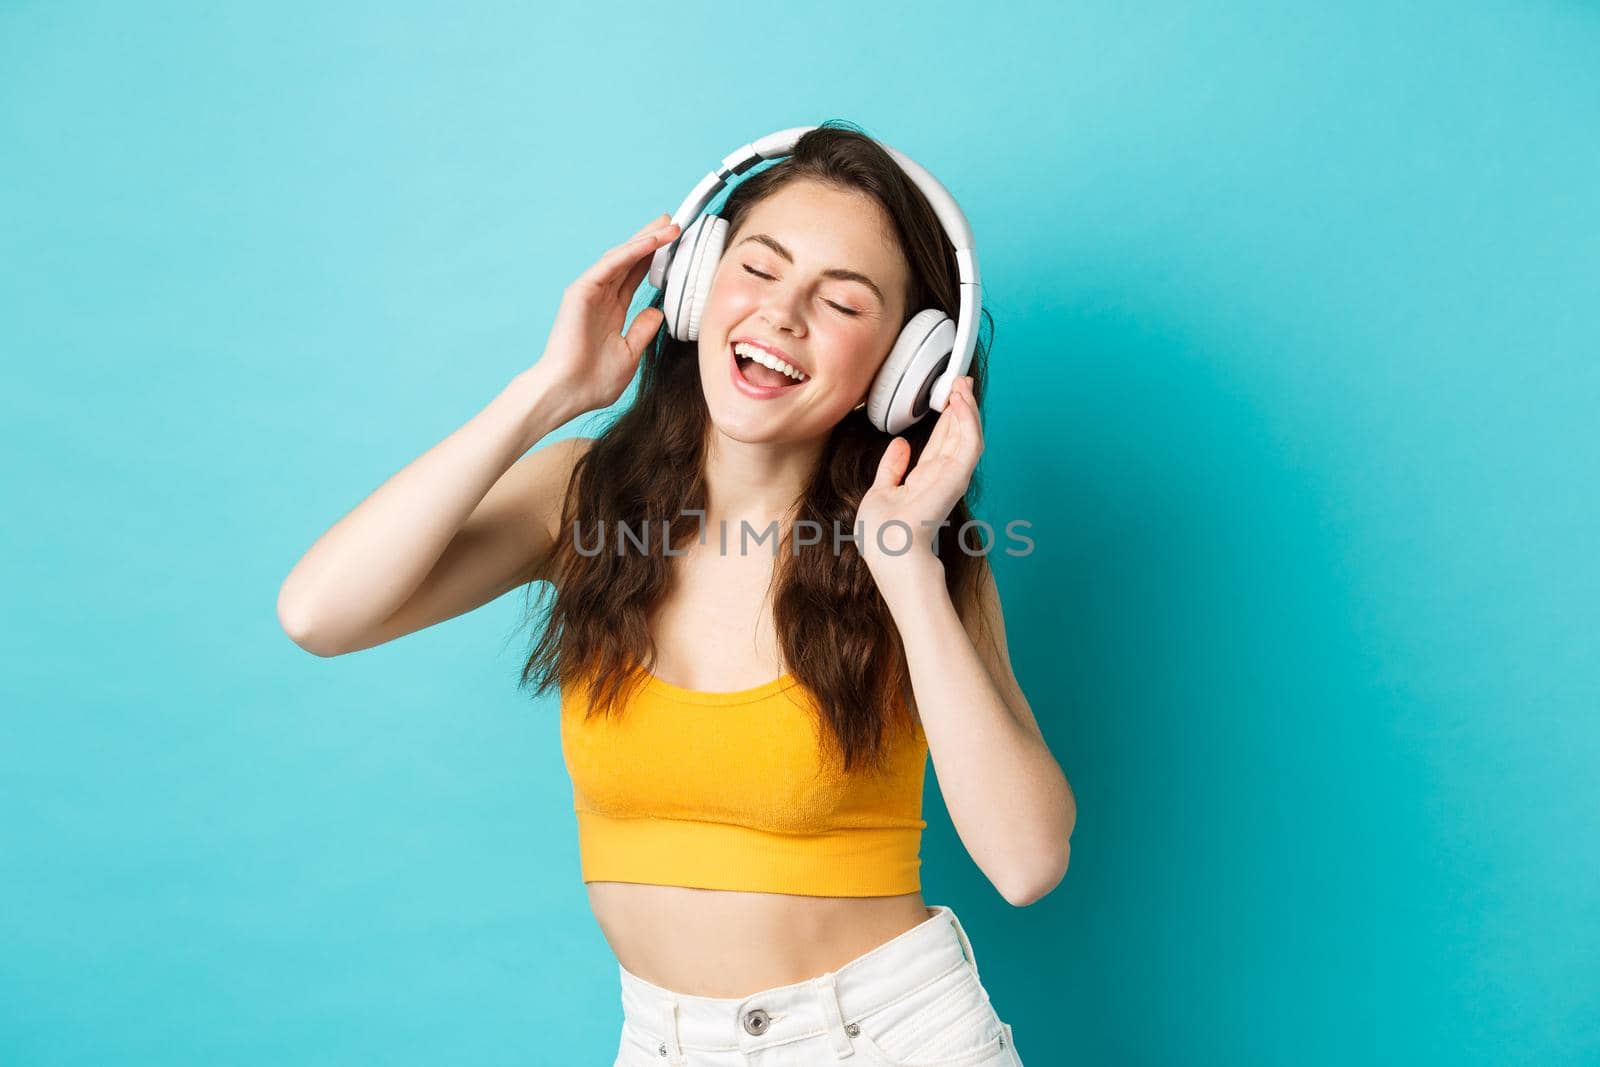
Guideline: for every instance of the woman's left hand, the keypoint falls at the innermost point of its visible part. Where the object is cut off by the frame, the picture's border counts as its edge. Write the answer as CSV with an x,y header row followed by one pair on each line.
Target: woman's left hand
x,y
894,512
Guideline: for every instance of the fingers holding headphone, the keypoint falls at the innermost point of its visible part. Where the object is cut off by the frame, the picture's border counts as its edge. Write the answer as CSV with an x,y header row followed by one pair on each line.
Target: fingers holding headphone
x,y
587,356
611,268
958,433
659,231
642,331
641,266
654,224
968,428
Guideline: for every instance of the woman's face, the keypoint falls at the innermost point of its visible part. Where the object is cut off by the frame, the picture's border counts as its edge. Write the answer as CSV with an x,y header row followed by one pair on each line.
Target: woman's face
x,y
813,272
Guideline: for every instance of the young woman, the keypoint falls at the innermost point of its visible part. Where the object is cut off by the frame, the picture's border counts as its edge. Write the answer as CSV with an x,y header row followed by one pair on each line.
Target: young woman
x,y
747,706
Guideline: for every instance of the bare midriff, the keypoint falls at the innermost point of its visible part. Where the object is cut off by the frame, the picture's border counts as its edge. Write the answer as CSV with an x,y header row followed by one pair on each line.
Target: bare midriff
x,y
722,943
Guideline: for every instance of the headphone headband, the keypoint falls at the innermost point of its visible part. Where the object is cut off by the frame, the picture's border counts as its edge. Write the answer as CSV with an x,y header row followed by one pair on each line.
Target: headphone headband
x,y
781,143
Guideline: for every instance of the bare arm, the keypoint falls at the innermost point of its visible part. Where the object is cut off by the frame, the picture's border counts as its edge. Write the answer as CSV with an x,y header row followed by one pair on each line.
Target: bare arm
x,y
467,520
450,531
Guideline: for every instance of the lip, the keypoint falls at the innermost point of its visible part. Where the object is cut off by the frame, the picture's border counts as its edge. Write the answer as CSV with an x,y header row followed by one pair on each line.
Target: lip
x,y
753,391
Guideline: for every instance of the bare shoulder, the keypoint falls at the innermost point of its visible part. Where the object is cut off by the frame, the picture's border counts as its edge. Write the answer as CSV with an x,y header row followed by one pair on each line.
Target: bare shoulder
x,y
542,483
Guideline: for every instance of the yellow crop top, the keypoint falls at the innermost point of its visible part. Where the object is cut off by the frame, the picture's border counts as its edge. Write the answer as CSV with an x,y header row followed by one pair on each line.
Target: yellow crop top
x,y
730,790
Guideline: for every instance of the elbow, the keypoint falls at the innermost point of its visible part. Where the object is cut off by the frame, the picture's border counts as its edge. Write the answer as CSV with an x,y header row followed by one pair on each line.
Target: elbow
x,y
1034,885
300,629
1041,883
320,651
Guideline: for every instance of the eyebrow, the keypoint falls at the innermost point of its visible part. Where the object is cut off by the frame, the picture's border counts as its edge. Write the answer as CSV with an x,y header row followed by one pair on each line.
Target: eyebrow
x,y
832,272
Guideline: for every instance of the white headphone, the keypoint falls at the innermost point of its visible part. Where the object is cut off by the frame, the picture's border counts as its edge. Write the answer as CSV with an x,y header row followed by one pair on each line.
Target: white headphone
x,y
910,382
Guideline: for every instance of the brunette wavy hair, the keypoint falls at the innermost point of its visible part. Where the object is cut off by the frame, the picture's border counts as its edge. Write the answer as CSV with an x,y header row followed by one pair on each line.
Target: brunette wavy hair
x,y
645,472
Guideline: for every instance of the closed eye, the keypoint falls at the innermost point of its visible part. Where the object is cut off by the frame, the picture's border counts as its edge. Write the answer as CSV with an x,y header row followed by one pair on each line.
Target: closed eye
x,y
830,303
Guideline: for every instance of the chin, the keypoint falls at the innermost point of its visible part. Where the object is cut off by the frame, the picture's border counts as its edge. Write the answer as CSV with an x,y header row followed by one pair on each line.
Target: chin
x,y
740,424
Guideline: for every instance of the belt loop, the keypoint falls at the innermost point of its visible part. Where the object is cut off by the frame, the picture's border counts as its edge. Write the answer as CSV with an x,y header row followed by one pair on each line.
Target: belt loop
x,y
966,944
832,1014
669,1030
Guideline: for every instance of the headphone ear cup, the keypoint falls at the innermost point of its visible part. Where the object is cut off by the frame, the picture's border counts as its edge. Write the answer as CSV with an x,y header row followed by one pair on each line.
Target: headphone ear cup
x,y
677,275
684,291
899,394
703,270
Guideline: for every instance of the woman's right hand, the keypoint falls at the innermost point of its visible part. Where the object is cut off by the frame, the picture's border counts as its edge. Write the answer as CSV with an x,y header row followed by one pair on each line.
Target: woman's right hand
x,y
587,358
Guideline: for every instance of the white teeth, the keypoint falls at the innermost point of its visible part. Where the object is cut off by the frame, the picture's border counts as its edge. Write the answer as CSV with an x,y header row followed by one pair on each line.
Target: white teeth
x,y
767,359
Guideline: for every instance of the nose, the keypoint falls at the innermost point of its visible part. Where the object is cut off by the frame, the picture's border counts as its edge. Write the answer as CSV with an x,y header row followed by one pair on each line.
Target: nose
x,y
781,312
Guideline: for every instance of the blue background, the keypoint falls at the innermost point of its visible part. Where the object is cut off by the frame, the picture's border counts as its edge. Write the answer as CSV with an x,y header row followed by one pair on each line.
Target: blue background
x,y
1295,375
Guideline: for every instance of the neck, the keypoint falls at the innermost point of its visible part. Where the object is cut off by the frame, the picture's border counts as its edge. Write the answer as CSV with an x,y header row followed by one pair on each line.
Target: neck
x,y
756,481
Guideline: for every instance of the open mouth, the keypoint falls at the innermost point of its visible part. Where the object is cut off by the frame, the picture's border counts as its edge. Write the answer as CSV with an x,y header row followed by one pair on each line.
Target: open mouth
x,y
757,379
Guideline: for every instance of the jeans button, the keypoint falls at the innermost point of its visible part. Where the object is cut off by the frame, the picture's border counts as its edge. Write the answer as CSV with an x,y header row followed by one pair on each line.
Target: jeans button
x,y
755,1021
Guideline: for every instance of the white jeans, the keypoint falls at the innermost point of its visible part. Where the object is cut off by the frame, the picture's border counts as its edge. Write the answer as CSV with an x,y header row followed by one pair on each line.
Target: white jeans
x,y
914,1001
